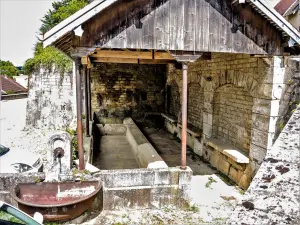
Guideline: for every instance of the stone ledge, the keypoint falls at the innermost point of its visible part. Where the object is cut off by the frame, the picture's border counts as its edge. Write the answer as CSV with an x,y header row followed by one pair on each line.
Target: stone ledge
x,y
146,155
193,131
227,149
168,117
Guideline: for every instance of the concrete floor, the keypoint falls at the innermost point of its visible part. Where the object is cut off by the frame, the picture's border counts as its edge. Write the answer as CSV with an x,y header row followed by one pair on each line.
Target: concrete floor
x,y
115,153
169,148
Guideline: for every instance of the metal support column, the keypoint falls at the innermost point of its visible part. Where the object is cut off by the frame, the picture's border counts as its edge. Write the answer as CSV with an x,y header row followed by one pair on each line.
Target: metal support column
x,y
86,100
89,95
79,115
184,116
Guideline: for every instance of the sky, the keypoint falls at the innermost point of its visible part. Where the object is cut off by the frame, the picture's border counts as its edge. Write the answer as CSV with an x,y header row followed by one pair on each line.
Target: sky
x,y
19,24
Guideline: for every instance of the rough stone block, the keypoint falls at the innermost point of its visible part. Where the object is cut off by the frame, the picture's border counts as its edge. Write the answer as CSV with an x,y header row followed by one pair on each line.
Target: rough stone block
x,y
239,166
259,138
257,153
207,129
207,151
245,181
119,199
128,178
260,122
223,166
214,158
185,176
198,147
235,174
261,106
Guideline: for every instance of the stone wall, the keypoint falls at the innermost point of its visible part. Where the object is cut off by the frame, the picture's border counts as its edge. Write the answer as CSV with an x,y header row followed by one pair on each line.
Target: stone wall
x,y
51,99
145,188
232,116
252,102
273,196
195,104
120,90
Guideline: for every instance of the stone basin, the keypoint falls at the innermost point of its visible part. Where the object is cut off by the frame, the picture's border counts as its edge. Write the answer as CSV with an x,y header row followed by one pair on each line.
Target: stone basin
x,y
56,201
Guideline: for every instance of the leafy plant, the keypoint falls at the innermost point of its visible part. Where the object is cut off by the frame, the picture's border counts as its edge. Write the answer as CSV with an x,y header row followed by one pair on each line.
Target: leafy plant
x,y
193,208
47,57
210,181
61,10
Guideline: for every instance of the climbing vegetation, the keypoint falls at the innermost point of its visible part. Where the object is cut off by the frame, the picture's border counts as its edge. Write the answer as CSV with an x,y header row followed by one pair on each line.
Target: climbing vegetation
x,y
48,57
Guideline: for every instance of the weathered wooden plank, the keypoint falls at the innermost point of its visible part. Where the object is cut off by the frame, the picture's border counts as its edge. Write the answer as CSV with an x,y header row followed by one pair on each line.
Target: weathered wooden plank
x,y
176,25
163,55
202,25
162,26
189,24
214,30
147,31
134,37
123,54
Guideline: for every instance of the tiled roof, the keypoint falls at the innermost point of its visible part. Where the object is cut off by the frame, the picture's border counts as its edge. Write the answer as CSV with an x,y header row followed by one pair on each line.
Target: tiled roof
x,y
10,85
284,5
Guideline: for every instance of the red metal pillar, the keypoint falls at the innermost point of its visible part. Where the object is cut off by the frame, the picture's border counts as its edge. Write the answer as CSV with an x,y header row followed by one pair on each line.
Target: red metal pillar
x,y
79,115
184,116
86,100
89,94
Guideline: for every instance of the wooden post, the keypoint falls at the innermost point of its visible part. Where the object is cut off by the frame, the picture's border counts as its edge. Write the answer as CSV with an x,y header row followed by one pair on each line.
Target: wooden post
x,y
86,100
184,116
79,115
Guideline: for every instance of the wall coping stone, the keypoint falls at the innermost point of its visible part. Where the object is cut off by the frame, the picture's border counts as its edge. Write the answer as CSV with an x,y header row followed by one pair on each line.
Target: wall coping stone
x,y
227,149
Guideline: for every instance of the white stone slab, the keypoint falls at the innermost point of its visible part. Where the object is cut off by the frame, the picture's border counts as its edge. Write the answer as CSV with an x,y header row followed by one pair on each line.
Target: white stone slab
x,y
236,156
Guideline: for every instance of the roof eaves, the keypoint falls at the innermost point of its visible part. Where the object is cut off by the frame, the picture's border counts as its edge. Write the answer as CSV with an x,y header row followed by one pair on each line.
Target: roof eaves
x,y
97,6
292,9
278,19
75,20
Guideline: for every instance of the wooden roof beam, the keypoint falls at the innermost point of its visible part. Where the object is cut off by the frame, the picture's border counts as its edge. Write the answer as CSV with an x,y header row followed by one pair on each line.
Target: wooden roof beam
x,y
133,55
122,54
131,61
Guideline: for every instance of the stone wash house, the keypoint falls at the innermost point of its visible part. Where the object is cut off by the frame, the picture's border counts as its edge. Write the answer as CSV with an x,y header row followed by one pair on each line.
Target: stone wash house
x,y
215,70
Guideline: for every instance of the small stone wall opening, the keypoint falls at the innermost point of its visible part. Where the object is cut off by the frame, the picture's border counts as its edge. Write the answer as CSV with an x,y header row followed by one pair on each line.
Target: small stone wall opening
x,y
232,116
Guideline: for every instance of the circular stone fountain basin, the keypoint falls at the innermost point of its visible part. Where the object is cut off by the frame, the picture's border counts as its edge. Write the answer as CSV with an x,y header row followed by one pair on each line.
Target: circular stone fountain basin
x,y
56,201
